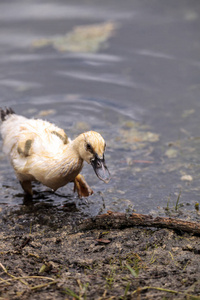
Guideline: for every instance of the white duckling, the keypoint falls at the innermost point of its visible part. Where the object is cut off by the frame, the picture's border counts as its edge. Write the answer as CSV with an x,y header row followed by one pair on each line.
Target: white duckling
x,y
40,151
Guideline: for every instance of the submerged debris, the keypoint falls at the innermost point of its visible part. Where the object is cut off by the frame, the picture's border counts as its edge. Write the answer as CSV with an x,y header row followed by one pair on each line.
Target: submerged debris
x,y
88,38
186,178
136,135
45,113
171,153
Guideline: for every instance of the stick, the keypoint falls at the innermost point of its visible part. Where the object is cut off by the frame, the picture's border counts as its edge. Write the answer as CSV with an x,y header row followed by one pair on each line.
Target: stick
x,y
189,296
112,220
14,277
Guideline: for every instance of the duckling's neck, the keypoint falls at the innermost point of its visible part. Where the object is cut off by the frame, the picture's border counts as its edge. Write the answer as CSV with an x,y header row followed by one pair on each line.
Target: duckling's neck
x,y
76,145
71,161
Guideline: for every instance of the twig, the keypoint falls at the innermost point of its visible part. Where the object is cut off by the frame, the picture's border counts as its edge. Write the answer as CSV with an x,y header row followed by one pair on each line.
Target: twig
x,y
164,290
26,277
112,220
177,201
42,285
4,269
3,280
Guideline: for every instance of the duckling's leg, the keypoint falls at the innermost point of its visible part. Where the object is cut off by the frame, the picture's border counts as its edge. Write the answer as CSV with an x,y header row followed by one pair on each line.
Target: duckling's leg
x,y
26,185
81,186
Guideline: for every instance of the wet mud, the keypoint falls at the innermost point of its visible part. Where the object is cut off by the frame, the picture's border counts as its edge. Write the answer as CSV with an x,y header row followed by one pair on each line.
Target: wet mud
x,y
45,256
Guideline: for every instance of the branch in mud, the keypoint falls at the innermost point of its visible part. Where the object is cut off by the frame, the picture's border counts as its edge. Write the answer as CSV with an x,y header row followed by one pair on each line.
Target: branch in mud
x,y
112,220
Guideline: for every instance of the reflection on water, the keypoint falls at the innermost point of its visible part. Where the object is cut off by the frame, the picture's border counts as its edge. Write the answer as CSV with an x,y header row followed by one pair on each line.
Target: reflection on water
x,y
140,91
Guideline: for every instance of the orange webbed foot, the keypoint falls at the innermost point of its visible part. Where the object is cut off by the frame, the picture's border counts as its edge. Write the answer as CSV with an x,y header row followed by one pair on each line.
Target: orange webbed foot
x,y
81,186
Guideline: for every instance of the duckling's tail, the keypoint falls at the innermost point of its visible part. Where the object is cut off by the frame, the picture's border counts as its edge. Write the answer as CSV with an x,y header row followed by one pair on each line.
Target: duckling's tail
x,y
4,113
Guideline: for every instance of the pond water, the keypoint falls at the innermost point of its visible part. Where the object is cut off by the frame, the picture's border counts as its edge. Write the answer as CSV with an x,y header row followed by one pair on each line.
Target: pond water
x,y
137,82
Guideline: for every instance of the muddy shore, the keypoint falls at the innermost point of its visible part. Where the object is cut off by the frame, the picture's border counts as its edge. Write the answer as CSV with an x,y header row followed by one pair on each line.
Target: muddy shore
x,y
44,256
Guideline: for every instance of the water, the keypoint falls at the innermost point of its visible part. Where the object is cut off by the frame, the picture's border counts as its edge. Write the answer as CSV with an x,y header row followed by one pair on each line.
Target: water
x,y
140,91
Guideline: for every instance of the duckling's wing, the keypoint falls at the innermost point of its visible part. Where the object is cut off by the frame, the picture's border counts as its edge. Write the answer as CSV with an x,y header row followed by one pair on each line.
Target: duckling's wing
x,y
47,138
11,132
33,147
26,137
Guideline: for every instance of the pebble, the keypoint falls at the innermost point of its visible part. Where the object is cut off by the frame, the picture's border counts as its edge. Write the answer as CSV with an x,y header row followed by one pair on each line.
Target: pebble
x,y
186,178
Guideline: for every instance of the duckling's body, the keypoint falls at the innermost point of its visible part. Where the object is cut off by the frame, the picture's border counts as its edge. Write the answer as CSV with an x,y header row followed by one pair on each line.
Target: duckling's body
x,y
39,150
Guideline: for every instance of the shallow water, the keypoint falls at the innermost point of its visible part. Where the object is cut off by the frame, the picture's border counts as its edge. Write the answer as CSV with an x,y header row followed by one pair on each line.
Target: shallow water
x,y
140,90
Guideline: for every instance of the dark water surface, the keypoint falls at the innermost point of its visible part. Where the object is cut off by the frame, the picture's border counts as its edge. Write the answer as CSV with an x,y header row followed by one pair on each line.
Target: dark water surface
x,y
141,91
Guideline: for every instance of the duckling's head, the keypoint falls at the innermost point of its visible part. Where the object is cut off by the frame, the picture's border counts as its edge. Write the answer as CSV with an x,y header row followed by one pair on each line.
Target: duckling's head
x,y
91,149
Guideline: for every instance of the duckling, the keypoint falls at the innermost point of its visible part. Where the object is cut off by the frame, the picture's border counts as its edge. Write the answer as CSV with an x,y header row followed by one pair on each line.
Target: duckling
x,y
41,151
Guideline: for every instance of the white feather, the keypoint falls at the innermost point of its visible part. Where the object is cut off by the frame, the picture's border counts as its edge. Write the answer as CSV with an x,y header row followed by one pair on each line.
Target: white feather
x,y
39,150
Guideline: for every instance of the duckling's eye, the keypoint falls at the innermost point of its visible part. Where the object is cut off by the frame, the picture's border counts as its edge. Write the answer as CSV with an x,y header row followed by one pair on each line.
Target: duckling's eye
x,y
89,147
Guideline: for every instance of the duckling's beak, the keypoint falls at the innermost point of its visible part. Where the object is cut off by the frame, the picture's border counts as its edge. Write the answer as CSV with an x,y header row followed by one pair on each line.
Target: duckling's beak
x,y
100,169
